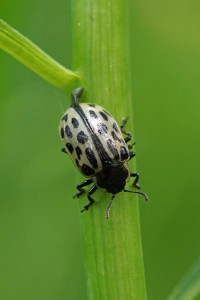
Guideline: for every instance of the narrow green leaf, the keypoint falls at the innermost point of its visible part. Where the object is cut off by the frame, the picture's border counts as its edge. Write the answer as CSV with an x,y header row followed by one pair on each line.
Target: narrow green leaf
x,y
189,286
100,50
35,59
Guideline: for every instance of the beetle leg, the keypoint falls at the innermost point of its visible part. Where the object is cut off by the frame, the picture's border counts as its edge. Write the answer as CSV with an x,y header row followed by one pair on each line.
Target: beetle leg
x,y
135,182
136,185
130,146
64,150
128,135
80,187
91,200
124,121
131,154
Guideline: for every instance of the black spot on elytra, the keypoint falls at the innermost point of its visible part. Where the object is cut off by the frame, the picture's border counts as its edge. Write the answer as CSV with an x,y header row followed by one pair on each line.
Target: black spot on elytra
x,y
123,153
93,114
78,152
91,105
68,131
62,133
75,122
65,117
102,128
115,127
104,115
69,147
91,157
113,149
86,170
115,137
82,137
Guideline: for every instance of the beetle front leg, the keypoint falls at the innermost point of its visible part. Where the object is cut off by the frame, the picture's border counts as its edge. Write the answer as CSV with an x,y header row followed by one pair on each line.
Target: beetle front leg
x,y
135,182
91,200
80,187
136,185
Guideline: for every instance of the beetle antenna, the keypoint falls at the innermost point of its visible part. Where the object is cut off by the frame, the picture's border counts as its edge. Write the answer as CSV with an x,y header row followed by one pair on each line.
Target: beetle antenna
x,y
76,95
137,192
109,205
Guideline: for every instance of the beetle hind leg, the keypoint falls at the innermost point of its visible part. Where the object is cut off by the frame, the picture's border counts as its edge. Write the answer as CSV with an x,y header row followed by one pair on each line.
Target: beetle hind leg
x,y
128,135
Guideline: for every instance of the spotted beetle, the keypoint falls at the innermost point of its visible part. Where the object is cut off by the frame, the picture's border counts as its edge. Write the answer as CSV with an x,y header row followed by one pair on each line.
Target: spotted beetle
x,y
96,145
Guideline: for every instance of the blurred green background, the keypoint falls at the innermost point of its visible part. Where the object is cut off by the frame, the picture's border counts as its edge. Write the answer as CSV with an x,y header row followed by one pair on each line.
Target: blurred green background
x,y
40,239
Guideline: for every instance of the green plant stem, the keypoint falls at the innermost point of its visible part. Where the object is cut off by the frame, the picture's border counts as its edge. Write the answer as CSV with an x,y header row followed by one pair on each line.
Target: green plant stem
x,y
100,51
35,59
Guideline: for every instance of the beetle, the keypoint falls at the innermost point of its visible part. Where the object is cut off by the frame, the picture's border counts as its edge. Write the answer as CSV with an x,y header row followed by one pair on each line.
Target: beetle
x,y
97,147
